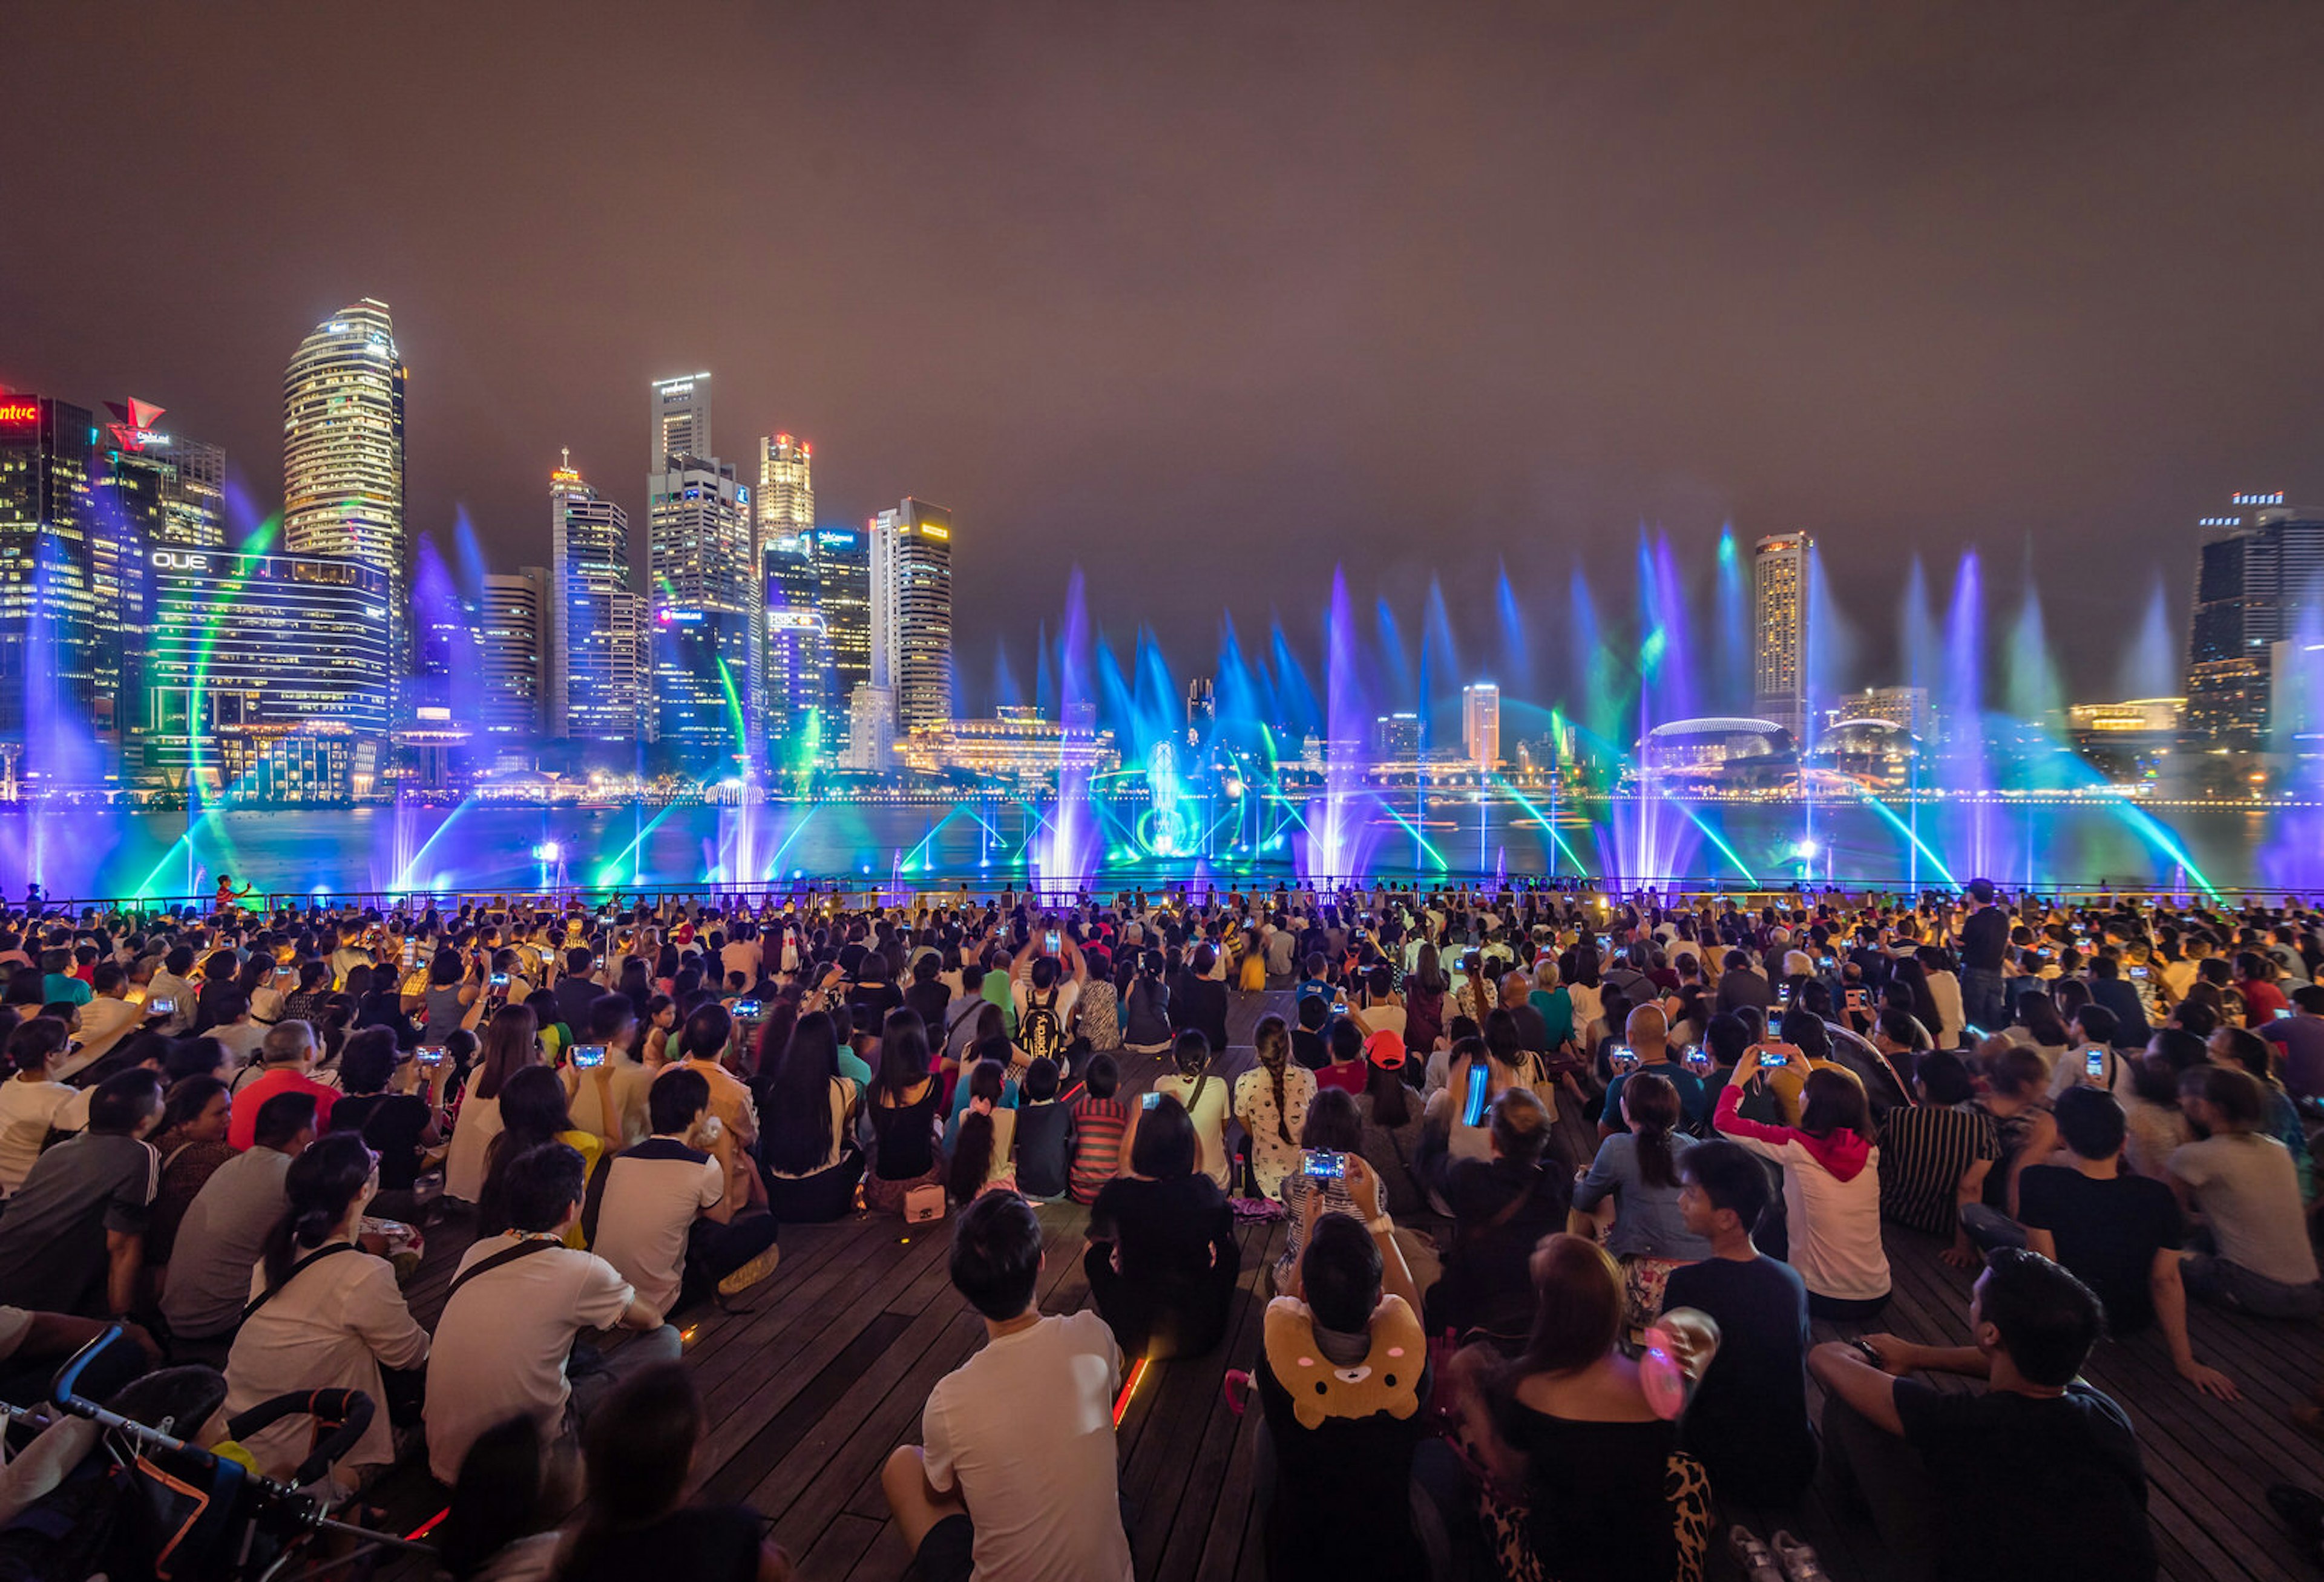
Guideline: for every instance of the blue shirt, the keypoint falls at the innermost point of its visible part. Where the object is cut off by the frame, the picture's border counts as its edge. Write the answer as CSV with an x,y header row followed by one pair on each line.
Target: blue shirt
x,y
1646,1220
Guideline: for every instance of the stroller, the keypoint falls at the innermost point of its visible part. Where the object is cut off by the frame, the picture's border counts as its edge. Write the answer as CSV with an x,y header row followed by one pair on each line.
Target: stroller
x,y
148,1503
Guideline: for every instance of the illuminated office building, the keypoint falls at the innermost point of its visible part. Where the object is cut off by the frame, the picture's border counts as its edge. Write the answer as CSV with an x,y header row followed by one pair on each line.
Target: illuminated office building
x,y
1480,725
262,674
680,419
842,561
509,653
1779,630
343,459
709,608
911,612
1396,739
596,661
2258,569
795,668
48,637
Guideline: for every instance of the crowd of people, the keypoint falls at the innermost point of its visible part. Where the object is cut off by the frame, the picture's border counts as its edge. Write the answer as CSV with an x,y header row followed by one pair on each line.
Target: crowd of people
x,y
232,1131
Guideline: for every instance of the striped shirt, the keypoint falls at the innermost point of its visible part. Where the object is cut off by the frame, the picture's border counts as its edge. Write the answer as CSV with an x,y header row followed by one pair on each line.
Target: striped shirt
x,y
1924,1151
1098,1127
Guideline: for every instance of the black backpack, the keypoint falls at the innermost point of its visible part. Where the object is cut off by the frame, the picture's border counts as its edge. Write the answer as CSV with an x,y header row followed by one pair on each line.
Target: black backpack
x,y
1039,1033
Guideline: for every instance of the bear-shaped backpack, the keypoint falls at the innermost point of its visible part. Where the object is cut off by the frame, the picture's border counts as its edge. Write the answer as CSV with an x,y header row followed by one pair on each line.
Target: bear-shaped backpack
x,y
1388,1379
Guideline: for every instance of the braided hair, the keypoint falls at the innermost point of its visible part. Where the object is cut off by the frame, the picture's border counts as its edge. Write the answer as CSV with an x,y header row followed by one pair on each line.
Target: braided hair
x,y
1274,1042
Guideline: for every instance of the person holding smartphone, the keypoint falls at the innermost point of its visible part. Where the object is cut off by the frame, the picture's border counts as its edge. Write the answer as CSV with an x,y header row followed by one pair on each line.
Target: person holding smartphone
x,y
1832,1181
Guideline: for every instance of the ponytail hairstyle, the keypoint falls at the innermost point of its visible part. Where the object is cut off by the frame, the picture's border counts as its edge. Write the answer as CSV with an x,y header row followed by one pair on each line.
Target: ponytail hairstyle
x,y
1274,1042
972,1155
321,1184
1651,1102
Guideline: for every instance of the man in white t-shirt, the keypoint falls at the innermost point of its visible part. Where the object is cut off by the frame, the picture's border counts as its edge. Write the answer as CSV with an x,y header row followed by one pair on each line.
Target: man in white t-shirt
x,y
107,1018
657,1213
518,1302
1016,1480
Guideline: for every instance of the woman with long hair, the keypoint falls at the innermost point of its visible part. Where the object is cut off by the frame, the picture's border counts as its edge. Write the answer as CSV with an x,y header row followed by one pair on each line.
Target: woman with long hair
x,y
1586,1478
639,1450
1204,1098
905,1115
327,1315
807,1128
511,1041
1334,1125
980,1150
1831,1183
533,1111
1424,988
1271,1102
1637,1170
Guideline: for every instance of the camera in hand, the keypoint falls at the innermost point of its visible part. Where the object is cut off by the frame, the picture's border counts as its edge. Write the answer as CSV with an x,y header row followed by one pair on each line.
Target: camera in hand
x,y
588,1054
1322,1165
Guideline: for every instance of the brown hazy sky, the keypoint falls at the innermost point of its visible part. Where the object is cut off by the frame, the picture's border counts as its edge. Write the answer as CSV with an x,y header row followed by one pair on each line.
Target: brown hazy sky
x,y
1207,298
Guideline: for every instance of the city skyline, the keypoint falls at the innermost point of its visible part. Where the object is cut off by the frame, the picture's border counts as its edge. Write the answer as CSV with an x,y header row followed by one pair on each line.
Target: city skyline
x,y
2038,354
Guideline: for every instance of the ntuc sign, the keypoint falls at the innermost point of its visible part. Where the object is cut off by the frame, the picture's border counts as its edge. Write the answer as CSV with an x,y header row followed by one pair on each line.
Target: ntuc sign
x,y
18,414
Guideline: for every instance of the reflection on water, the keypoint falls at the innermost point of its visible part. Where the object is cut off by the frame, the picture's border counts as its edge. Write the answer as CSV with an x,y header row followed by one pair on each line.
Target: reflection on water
x,y
85,853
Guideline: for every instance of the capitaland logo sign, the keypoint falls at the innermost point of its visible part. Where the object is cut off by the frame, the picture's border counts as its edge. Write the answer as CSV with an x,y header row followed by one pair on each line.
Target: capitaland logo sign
x,y
135,429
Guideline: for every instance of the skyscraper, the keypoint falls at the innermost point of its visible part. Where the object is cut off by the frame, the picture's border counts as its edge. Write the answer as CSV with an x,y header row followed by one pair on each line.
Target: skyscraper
x,y
911,612
509,655
343,459
794,670
2258,568
681,420
1779,634
173,487
842,561
709,609
1480,725
594,638
48,621
263,673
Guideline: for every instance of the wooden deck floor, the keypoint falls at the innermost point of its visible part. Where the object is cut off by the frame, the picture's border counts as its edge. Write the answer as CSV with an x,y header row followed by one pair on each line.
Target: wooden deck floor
x,y
810,1389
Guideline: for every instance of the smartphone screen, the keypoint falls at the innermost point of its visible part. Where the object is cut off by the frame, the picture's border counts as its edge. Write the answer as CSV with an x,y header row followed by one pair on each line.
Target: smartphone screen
x,y
1771,1059
1321,1165
1621,1059
588,1054
1698,1060
2095,1064
748,1009
1472,1109
1052,946
1150,1101
499,981
162,1008
2138,971
431,1055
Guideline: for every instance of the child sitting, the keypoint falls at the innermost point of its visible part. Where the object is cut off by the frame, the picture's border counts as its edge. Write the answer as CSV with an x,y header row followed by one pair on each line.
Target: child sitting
x,y
1044,1134
1099,1121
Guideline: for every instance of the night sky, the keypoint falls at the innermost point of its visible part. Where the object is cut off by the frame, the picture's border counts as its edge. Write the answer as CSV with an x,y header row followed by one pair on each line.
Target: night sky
x,y
1208,298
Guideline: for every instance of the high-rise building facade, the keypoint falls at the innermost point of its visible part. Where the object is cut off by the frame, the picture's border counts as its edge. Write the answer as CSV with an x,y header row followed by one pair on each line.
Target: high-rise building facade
x,y
1779,630
911,612
1480,725
48,637
681,420
842,561
709,609
509,653
597,662
343,459
793,671
1396,737
176,484
243,652
2258,569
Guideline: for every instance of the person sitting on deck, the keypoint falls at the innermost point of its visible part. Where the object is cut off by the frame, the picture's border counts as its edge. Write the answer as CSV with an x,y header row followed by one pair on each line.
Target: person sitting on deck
x,y
1342,1374
2245,1188
1748,1421
1501,1207
2035,1478
1162,1256
1015,1478
657,1213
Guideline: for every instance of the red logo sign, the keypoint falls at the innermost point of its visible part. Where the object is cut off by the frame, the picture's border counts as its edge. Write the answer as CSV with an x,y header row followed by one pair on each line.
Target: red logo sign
x,y
17,412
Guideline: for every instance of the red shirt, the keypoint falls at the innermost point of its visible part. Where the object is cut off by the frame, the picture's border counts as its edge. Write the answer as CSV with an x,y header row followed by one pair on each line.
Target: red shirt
x,y
252,1095
2262,1001
1349,1077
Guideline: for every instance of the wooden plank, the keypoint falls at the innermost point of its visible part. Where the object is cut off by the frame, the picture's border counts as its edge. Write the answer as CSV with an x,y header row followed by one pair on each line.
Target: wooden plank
x,y
742,1471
